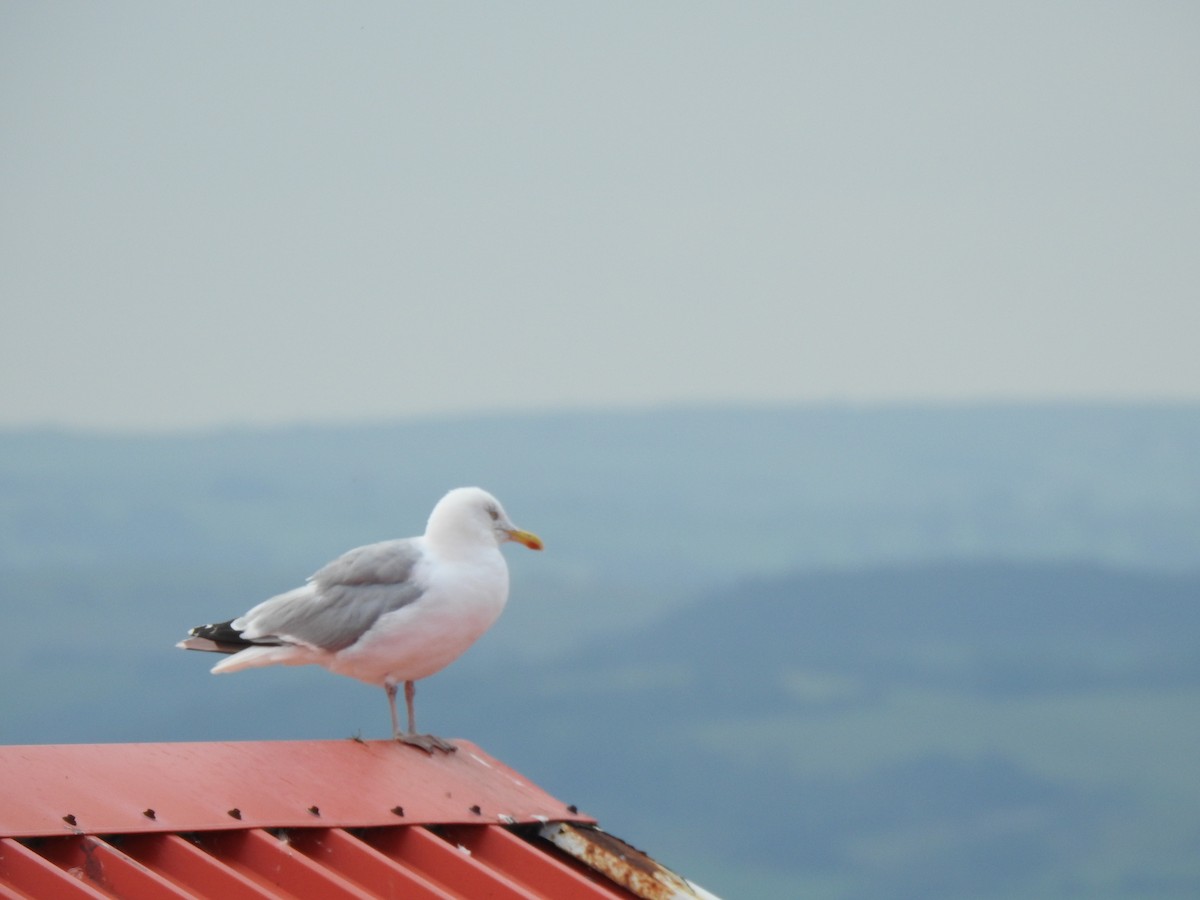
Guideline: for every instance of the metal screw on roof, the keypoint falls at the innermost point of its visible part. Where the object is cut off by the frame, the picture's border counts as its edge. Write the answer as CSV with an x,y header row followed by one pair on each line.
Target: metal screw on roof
x,y
315,810
398,810
236,813
149,814
69,819
475,809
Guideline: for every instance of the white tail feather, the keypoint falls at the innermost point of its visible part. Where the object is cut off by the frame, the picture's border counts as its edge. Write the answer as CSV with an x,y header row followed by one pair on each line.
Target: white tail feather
x,y
254,657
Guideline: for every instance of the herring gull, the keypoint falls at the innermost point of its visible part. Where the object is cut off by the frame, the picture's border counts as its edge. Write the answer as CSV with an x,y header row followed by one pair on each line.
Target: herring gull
x,y
389,613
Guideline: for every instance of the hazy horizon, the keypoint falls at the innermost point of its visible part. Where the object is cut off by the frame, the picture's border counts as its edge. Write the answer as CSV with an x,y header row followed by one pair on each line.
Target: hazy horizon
x,y
333,423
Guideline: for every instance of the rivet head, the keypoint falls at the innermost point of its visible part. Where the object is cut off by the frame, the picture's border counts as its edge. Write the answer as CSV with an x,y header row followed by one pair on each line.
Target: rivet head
x,y
398,810
475,809
70,819
315,810
236,813
149,814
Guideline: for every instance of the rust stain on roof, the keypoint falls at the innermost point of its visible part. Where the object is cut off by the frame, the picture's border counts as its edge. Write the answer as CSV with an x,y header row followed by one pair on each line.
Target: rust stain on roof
x,y
622,863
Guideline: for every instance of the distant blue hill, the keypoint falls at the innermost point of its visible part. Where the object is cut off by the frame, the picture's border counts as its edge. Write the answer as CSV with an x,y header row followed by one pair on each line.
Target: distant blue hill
x,y
640,510
965,729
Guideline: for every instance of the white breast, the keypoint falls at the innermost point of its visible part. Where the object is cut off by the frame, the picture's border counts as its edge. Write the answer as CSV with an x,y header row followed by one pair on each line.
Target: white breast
x,y
462,601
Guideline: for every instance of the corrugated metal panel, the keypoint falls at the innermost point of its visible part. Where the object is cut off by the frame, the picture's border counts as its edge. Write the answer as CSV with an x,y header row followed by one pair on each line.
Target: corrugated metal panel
x,y
128,788
408,861
326,819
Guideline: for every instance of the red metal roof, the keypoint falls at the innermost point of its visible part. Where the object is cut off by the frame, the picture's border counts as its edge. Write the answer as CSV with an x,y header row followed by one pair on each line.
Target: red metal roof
x,y
299,819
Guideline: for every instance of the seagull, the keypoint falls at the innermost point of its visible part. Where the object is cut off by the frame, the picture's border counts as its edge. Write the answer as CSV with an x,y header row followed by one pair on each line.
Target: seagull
x,y
389,613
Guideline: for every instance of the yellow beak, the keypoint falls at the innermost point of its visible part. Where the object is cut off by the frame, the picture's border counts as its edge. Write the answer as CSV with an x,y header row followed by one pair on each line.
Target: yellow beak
x,y
528,538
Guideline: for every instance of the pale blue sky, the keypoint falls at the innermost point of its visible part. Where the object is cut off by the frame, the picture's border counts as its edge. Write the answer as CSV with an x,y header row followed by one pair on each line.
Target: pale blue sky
x,y
222,213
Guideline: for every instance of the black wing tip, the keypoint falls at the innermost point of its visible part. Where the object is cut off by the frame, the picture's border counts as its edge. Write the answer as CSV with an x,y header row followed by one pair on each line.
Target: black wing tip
x,y
227,639
221,633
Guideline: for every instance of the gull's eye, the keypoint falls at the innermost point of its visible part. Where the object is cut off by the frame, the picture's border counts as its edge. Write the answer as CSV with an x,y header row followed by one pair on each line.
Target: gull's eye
x,y
494,513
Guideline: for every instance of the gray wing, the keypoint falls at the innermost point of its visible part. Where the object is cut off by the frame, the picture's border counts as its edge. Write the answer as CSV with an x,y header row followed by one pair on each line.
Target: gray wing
x,y
342,600
388,562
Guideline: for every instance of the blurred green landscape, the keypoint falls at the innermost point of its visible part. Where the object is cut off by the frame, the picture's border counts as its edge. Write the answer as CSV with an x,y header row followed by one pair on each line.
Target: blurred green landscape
x,y
822,652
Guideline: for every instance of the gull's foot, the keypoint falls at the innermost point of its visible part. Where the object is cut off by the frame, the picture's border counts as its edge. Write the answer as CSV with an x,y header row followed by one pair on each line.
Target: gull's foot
x,y
427,742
